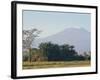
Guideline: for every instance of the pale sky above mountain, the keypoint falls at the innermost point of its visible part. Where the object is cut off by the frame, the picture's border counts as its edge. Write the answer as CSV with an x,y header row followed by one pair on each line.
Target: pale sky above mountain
x,y
51,23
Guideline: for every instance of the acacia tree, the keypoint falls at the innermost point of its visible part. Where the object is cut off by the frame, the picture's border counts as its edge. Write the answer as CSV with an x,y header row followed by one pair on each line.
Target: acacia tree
x,y
28,38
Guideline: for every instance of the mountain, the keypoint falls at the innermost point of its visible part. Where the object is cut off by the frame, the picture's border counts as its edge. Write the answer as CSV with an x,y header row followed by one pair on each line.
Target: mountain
x,y
78,37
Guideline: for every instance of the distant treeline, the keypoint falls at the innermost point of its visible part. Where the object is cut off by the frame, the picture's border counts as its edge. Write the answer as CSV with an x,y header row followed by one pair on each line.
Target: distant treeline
x,y
53,52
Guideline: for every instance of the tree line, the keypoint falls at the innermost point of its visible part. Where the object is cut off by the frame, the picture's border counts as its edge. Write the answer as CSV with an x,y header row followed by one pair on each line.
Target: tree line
x,y
53,52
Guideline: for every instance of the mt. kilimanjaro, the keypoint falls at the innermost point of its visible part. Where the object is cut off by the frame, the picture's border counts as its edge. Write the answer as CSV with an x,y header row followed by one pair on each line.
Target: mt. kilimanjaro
x,y
79,37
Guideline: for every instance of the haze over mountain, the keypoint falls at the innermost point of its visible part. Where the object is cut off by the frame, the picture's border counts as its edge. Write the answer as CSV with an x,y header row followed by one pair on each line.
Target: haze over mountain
x,y
78,37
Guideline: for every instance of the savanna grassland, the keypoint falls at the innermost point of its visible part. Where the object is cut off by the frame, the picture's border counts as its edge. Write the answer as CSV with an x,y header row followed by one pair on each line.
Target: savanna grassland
x,y
51,55
55,64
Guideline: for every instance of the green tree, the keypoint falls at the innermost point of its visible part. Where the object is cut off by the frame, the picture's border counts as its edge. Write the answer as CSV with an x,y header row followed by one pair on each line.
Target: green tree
x,y
87,56
54,52
68,52
50,50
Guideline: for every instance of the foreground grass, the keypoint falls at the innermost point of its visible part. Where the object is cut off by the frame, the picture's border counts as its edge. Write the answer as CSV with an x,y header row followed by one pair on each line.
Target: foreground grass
x,y
55,64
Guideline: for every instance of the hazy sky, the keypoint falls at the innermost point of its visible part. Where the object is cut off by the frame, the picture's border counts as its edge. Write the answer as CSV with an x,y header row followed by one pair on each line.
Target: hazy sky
x,y
53,22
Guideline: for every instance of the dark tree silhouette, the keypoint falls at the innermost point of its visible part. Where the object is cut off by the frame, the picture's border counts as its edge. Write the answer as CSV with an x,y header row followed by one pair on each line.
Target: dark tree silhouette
x,y
55,52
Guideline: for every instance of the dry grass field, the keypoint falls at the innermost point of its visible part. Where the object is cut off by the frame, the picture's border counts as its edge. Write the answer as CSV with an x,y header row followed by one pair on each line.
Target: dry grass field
x,y
55,64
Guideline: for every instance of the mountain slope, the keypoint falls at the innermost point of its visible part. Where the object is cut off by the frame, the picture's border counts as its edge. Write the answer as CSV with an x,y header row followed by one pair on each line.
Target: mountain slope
x,y
78,37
